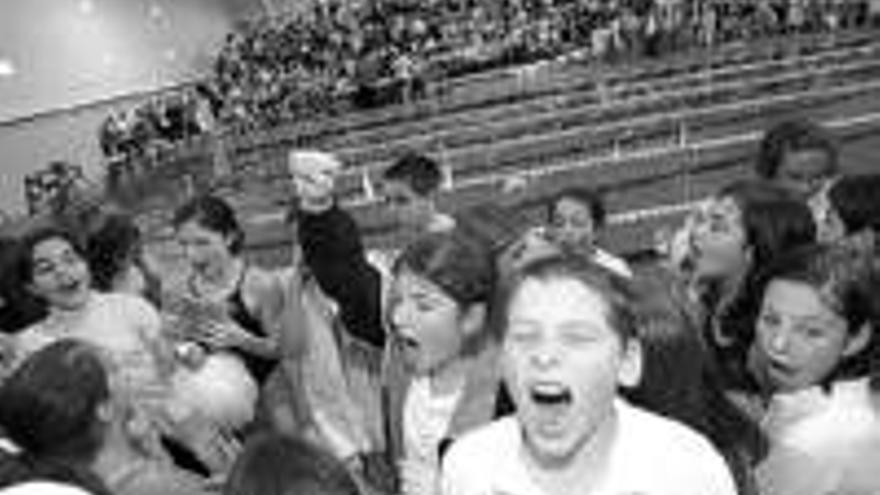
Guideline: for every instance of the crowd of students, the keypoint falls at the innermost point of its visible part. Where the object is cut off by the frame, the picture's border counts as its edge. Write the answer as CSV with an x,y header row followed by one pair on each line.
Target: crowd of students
x,y
487,355
363,54
343,55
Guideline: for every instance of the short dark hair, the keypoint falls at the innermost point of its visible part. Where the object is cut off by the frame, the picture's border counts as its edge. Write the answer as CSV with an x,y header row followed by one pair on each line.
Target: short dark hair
x,y
618,292
111,248
214,214
855,200
48,408
794,135
459,264
25,263
21,309
272,464
420,173
846,275
591,198
774,220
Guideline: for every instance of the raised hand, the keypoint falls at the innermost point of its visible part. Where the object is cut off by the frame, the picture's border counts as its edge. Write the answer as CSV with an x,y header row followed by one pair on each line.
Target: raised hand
x,y
314,176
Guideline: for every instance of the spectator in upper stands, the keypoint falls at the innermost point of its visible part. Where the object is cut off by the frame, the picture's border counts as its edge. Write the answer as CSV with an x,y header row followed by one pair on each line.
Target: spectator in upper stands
x,y
577,217
410,186
278,465
800,155
846,206
61,408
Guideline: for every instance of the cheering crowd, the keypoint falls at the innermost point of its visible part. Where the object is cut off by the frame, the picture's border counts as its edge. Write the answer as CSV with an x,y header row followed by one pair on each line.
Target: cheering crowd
x,y
344,55
487,355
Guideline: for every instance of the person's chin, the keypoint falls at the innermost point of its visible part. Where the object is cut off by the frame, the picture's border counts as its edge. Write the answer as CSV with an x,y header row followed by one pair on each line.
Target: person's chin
x,y
73,301
550,448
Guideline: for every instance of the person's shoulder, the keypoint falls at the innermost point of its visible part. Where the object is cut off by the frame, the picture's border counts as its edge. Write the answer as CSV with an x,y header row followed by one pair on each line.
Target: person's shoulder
x,y
654,431
129,304
673,454
166,480
476,459
483,442
613,263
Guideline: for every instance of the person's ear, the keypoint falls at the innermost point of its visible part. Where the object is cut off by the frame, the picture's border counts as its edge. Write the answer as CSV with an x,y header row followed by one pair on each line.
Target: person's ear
x,y
473,320
106,411
32,290
858,342
631,364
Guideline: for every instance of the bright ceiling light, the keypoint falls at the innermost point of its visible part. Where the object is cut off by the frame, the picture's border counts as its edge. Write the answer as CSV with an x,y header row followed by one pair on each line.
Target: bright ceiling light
x,y
7,69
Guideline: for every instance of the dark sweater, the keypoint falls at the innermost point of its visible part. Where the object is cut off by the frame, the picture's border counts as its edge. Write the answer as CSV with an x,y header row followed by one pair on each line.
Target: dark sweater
x,y
334,253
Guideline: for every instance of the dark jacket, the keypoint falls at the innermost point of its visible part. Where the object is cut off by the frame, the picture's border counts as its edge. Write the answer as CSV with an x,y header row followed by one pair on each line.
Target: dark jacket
x,y
333,251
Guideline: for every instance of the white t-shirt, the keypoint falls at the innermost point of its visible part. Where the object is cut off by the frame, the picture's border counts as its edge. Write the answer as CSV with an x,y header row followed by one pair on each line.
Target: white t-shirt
x,y
426,419
650,455
823,441
123,325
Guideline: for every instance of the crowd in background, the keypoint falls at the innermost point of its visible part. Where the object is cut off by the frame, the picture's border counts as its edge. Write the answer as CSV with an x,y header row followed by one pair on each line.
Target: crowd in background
x,y
341,55
370,53
490,353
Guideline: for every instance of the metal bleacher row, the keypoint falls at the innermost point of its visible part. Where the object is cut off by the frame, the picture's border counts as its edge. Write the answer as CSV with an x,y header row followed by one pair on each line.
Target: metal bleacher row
x,y
654,135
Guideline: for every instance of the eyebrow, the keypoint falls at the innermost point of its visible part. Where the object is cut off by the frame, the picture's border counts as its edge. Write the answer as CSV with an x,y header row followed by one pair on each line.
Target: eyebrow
x,y
815,317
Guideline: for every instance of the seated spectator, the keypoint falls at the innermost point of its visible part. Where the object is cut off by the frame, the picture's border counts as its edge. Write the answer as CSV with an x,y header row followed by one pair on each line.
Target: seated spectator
x,y
570,341
410,187
847,206
799,155
577,217
278,465
59,407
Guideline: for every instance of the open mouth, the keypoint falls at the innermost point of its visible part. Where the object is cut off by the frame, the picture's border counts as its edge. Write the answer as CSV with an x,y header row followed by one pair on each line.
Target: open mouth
x,y
550,394
549,413
780,368
408,342
71,287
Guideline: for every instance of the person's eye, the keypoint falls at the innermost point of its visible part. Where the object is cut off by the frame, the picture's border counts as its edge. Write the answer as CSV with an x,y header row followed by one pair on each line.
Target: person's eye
x,y
813,333
770,319
70,259
43,269
578,338
424,306
522,334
